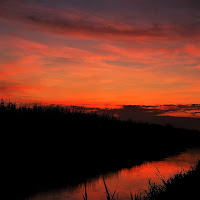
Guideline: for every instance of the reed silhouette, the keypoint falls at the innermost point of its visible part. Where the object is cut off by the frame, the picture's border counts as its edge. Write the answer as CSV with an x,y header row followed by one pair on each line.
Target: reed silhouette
x,y
108,195
184,185
51,146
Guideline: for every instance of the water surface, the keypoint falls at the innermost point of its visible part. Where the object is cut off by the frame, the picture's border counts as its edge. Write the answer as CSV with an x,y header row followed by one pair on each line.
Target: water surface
x,y
134,179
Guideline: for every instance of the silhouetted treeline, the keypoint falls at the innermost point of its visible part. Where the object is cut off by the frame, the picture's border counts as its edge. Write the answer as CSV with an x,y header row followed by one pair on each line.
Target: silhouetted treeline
x,y
50,146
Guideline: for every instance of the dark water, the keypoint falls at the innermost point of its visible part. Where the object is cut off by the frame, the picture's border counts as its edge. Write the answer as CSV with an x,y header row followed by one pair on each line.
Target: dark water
x,y
135,179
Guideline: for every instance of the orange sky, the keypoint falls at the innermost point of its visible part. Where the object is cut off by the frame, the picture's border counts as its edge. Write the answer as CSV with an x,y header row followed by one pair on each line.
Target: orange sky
x,y
100,53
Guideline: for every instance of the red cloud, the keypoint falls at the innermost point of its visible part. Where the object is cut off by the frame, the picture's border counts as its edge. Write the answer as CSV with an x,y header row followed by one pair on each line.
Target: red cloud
x,y
85,25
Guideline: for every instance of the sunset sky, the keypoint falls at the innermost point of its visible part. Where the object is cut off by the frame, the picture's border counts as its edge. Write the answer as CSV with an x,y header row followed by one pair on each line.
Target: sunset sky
x,y
101,52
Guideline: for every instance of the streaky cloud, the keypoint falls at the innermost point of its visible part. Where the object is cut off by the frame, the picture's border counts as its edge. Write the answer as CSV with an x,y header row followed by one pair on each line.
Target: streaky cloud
x,y
82,24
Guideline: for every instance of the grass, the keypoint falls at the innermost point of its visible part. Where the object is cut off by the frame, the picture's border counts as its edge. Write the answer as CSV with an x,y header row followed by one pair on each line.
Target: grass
x,y
51,146
85,195
182,186
108,195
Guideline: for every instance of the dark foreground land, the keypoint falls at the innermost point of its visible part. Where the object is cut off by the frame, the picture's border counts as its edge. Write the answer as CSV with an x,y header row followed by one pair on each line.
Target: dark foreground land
x,y
48,147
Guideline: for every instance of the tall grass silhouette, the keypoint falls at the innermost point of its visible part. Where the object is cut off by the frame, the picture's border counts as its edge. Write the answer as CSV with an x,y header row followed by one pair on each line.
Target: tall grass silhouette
x,y
183,185
85,195
46,146
108,195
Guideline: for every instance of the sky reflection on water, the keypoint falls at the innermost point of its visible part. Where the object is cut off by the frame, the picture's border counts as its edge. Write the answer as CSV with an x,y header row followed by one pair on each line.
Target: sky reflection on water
x,y
135,179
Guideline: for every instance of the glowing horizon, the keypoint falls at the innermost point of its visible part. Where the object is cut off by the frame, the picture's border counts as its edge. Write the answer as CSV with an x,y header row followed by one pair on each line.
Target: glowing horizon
x,y
100,52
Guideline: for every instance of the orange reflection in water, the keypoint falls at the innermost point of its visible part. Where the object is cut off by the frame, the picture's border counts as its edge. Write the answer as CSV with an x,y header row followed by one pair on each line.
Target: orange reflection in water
x,y
135,179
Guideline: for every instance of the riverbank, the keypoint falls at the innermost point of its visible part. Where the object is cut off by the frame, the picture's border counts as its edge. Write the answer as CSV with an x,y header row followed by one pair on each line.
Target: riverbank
x,y
47,147
183,186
